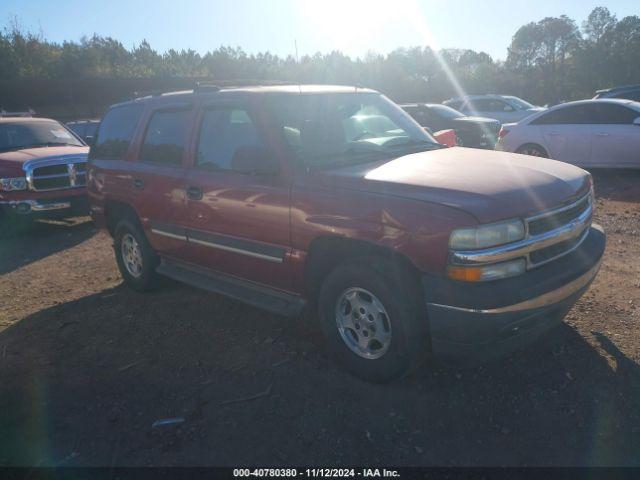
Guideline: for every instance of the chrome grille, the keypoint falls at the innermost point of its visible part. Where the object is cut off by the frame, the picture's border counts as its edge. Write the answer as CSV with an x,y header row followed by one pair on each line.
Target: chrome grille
x,y
558,217
575,217
549,235
57,173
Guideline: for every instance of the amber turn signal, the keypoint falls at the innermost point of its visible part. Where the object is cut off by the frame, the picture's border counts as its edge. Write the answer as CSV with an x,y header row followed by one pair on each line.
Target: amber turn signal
x,y
466,274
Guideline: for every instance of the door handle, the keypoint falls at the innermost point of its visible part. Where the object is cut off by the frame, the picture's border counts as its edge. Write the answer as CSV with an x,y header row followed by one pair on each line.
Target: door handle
x,y
138,183
602,134
194,193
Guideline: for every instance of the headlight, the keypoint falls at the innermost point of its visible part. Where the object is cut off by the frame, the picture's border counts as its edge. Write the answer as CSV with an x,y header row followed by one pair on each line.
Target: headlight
x,y
485,236
10,184
485,273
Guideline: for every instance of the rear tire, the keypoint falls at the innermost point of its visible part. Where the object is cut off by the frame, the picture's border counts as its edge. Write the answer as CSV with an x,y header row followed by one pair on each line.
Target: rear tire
x,y
136,259
373,318
533,150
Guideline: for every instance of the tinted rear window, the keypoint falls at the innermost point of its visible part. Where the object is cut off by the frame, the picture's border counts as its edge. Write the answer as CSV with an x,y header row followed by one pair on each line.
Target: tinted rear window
x,y
572,115
115,133
165,138
608,114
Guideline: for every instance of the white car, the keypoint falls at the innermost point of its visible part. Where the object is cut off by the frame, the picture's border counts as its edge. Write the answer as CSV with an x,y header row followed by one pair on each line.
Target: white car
x,y
504,108
587,133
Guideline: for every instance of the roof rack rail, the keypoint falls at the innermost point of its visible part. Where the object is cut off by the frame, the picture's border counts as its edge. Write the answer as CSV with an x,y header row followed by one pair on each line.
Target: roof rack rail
x,y
28,113
206,87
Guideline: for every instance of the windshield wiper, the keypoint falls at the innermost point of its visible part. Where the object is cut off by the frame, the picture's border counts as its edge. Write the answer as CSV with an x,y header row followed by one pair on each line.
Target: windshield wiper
x,y
350,156
415,143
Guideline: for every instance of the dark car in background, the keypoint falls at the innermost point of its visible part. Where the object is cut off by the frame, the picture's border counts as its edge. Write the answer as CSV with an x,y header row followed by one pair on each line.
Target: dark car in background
x,y
85,129
477,132
627,92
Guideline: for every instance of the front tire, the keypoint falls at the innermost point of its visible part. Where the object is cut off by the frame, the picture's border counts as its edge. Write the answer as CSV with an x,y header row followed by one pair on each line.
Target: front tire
x,y
372,316
136,259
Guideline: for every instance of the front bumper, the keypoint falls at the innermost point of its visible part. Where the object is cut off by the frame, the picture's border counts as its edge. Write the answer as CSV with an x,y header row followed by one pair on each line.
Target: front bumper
x,y
44,208
471,323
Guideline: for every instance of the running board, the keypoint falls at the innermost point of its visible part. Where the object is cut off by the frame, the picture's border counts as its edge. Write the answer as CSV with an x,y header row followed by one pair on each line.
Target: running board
x,y
248,292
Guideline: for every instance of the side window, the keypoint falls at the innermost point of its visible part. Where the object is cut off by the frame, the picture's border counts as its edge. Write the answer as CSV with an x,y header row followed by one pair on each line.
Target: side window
x,y
78,128
115,132
608,114
573,115
491,105
222,132
166,137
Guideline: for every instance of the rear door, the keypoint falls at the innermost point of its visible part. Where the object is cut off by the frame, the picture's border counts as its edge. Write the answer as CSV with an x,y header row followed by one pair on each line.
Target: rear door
x,y
616,140
157,177
237,223
567,134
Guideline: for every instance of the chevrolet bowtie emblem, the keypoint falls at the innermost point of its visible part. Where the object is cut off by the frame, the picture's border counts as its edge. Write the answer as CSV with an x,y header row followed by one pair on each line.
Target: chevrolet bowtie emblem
x,y
73,174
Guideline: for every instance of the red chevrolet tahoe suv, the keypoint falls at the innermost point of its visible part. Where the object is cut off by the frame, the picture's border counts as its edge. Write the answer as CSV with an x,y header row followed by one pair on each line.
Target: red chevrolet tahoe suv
x,y
42,169
333,197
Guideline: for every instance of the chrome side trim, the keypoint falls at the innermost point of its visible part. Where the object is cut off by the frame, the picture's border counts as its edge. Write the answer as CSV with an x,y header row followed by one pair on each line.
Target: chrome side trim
x,y
541,301
236,250
169,234
524,247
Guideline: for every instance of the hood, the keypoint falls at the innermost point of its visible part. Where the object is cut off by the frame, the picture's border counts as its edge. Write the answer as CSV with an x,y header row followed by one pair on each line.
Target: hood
x,y
12,161
489,185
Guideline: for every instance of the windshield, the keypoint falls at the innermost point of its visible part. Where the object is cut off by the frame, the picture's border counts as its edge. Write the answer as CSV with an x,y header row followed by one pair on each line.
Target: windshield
x,y
445,111
520,103
35,134
345,128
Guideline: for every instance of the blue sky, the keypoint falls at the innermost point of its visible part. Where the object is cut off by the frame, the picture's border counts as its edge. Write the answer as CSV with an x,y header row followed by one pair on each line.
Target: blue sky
x,y
352,26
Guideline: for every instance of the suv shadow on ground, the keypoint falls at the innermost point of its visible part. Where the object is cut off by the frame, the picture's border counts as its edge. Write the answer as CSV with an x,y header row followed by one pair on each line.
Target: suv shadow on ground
x,y
82,383
24,241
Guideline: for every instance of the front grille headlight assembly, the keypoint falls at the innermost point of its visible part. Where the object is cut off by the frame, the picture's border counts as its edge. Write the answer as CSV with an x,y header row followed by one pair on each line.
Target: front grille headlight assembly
x,y
485,236
11,184
482,237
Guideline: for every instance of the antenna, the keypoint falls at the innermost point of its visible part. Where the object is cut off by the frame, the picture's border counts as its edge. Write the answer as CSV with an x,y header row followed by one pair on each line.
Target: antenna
x,y
295,44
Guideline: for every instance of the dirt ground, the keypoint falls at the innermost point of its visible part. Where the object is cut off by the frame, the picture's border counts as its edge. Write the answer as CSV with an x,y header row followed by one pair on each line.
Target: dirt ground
x,y
87,366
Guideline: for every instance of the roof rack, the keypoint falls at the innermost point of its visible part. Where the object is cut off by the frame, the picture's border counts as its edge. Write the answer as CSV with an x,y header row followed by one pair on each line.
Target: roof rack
x,y
28,113
213,86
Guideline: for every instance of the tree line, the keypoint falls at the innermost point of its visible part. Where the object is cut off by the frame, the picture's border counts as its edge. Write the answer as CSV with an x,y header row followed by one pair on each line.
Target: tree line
x,y
548,61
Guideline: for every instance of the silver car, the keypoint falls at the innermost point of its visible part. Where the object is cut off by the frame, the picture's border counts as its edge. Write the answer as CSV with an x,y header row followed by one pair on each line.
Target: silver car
x,y
504,108
587,133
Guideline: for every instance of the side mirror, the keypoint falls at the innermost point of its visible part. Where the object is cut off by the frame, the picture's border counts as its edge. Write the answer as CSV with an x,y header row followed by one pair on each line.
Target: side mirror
x,y
254,160
637,121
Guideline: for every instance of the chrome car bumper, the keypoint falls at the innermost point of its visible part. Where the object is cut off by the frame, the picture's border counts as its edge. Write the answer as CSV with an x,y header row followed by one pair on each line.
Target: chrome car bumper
x,y
28,206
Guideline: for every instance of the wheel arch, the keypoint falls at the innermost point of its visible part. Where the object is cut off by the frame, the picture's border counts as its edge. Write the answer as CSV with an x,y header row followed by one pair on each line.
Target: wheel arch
x,y
116,211
327,252
534,144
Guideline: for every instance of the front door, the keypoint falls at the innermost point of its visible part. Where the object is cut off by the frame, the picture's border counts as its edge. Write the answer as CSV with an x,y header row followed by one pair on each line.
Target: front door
x,y
157,179
567,134
237,223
